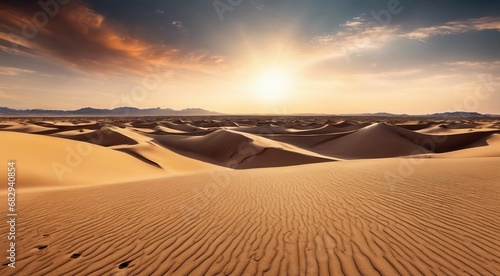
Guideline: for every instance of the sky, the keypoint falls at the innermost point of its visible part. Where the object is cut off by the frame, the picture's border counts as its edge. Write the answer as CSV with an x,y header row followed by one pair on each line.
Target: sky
x,y
252,56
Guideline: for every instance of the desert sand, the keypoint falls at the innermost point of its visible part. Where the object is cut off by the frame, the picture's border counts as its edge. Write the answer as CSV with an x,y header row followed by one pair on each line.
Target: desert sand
x,y
254,196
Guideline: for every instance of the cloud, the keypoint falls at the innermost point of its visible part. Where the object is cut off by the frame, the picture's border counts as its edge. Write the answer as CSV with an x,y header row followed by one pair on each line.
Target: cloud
x,y
259,5
177,24
397,74
361,33
159,12
356,22
456,27
84,40
489,65
12,71
357,34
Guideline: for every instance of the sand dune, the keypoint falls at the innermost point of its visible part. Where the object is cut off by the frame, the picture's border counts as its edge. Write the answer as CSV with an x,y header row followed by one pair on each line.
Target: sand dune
x,y
214,123
27,128
281,129
48,161
319,219
282,143
417,126
374,141
444,143
68,124
237,150
336,128
381,140
195,131
169,161
306,141
144,124
167,130
266,129
76,157
106,136
486,147
185,127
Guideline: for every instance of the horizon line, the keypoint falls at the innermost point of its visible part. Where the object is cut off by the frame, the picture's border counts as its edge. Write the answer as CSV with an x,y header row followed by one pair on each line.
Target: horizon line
x,y
382,113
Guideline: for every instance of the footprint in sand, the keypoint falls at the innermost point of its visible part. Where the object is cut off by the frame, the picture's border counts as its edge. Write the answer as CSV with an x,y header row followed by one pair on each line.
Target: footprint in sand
x,y
124,265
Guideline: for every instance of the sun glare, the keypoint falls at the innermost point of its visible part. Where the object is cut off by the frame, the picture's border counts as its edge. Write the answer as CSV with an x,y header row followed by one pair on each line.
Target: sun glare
x,y
272,85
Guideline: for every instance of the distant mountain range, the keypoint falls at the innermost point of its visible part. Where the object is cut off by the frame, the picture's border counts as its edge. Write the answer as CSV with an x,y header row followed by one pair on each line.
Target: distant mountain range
x,y
133,111
120,111
460,114
456,114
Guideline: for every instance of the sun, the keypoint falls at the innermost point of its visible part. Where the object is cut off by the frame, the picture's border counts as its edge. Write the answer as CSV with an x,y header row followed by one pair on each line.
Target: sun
x,y
272,85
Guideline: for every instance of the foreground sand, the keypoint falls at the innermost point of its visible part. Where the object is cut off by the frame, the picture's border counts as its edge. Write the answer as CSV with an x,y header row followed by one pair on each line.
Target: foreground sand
x,y
326,218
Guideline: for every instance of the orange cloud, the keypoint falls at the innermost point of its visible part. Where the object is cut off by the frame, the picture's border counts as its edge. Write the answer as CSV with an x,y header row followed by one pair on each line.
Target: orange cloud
x,y
84,40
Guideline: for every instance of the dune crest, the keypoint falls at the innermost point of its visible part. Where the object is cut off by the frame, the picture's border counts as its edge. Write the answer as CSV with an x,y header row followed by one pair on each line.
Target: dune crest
x,y
241,151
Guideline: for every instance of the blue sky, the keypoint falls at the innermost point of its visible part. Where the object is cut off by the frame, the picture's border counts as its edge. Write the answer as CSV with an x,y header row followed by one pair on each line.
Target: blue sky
x,y
252,56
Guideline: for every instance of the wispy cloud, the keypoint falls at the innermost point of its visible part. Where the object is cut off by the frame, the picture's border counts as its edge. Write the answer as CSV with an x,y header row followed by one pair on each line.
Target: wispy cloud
x,y
12,71
475,64
360,33
177,24
395,74
456,27
357,34
85,40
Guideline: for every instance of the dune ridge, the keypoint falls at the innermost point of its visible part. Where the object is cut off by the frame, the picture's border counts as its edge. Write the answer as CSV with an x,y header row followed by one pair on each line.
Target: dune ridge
x,y
241,151
307,141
